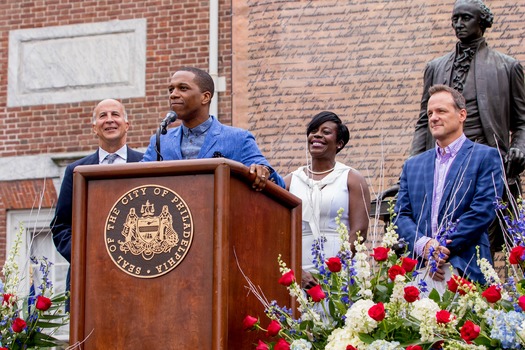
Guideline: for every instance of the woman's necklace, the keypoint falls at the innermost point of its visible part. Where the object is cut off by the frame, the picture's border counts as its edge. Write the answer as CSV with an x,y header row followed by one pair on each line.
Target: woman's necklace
x,y
319,172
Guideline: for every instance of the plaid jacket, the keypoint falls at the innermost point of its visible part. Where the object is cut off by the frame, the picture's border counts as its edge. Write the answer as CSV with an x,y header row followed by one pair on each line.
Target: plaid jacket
x,y
471,187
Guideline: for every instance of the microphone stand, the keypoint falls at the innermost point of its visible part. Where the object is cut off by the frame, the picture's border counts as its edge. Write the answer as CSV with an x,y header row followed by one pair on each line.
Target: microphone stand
x,y
163,129
157,143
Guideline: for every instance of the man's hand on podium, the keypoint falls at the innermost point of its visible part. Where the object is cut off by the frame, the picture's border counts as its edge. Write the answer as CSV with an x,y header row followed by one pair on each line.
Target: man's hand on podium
x,y
262,173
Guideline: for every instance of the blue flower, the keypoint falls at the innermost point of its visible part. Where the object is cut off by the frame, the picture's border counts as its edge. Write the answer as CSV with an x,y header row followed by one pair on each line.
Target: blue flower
x,y
504,325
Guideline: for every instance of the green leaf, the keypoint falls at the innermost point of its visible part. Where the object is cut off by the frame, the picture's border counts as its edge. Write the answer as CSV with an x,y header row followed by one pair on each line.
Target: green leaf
x,y
483,341
50,324
434,295
366,338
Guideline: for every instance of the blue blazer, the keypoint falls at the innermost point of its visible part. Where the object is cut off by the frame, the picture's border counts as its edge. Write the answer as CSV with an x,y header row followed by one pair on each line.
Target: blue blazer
x,y
221,141
61,223
472,184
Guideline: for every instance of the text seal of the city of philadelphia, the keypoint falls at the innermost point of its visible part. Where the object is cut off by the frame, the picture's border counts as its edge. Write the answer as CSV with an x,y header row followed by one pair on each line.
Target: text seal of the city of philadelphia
x,y
149,231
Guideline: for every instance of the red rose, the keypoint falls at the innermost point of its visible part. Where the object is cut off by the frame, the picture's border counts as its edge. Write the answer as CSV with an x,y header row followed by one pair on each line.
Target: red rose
x,y
43,303
452,283
316,293
18,325
469,331
517,255
262,346
281,345
458,284
492,294
414,347
334,264
377,312
249,322
443,316
521,302
380,253
273,328
287,279
411,294
350,347
394,271
408,264
7,299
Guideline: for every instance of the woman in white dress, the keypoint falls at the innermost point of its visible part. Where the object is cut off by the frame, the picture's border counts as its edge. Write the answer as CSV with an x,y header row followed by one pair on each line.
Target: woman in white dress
x,y
324,186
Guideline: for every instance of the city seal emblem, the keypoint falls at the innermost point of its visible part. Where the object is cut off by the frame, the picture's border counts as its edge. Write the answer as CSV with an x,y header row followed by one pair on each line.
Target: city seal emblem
x,y
149,231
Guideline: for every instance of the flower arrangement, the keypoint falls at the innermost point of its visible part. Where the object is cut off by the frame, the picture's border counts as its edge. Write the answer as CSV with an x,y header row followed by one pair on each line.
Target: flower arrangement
x,y
29,322
381,303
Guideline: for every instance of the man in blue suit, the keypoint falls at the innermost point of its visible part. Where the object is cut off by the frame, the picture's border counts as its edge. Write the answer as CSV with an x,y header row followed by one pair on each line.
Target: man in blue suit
x,y
110,125
494,89
457,183
202,135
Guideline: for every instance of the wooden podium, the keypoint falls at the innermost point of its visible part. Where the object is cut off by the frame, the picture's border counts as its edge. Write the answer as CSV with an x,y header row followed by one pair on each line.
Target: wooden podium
x,y
157,248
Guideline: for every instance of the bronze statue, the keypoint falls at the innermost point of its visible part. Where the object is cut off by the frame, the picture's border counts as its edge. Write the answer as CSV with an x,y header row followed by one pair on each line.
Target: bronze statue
x,y
493,86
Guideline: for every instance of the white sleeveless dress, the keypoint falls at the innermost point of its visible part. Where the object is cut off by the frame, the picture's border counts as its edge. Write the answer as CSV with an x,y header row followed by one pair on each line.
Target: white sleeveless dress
x,y
321,201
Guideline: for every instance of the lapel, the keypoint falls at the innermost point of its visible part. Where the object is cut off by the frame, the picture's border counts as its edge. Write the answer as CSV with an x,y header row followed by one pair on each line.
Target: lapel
x,y
128,155
447,72
174,143
455,174
91,159
483,82
429,163
133,156
211,138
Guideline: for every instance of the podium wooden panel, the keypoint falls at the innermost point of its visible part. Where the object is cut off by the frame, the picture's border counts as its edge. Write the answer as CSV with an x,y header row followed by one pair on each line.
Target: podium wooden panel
x,y
201,303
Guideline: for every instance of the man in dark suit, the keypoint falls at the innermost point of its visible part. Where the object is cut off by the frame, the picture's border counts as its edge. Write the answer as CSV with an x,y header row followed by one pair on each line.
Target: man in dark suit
x,y
110,125
493,86
455,183
203,136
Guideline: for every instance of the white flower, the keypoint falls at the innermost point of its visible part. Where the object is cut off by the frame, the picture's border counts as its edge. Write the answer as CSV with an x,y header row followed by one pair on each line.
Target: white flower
x,y
400,278
423,308
390,237
384,345
457,345
362,270
398,293
341,337
300,344
357,319
425,312
491,276
365,293
10,269
471,302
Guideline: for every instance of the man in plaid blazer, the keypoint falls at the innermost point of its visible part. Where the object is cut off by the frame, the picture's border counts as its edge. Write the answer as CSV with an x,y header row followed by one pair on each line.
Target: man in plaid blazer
x,y
446,198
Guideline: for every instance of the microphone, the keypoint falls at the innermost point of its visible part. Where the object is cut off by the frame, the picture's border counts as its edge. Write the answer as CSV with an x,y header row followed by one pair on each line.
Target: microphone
x,y
168,119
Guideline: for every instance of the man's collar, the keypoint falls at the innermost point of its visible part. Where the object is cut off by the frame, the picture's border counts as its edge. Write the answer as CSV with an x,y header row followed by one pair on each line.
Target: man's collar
x,y
199,129
453,148
122,153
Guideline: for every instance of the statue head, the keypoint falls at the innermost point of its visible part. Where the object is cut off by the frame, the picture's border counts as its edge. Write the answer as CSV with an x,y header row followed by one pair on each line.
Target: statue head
x,y
479,15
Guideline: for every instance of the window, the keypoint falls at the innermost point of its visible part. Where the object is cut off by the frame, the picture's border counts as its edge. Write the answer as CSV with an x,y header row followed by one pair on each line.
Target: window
x,y
37,241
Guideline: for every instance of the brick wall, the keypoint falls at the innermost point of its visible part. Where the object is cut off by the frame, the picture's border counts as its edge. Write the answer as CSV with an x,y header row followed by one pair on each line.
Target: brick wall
x,y
177,35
